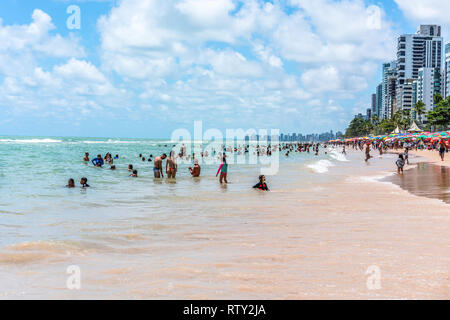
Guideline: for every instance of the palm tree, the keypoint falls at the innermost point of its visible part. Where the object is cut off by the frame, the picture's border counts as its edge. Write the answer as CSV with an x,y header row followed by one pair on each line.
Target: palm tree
x,y
420,110
406,118
397,118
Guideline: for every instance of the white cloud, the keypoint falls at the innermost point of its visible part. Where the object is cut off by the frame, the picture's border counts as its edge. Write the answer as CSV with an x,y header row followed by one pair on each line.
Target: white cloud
x,y
428,12
36,36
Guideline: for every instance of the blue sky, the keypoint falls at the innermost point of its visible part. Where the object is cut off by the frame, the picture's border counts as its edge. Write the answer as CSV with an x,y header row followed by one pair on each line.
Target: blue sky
x,y
143,68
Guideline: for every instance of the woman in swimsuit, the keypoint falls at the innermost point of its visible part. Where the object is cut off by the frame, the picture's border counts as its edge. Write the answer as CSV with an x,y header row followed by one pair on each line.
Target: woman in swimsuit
x,y
171,166
223,169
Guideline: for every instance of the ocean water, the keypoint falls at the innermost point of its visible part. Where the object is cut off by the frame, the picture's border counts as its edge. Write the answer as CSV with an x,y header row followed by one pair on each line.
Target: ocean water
x,y
189,238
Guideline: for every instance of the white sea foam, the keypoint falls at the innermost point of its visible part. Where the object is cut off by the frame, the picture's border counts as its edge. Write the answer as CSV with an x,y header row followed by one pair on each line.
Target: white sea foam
x,y
29,141
336,155
321,166
110,141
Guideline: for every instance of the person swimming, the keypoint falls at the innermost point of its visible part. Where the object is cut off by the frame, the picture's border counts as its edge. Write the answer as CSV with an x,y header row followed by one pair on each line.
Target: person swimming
x,y
83,183
261,185
71,183
98,162
113,168
223,169
134,174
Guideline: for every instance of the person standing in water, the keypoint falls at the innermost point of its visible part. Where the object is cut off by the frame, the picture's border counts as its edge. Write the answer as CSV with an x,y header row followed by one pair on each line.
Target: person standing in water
x,y
223,169
400,164
442,149
98,162
158,168
86,157
171,166
367,152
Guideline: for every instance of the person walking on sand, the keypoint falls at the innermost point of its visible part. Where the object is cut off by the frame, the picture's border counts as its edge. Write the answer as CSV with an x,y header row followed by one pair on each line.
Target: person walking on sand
x,y
442,149
158,168
223,169
400,164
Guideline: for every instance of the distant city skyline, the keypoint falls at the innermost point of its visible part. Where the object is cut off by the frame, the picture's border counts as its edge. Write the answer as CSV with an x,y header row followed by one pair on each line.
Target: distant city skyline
x,y
129,68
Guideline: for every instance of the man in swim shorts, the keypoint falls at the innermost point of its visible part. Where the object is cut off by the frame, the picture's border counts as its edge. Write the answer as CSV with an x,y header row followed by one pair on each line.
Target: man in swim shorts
x,y
158,167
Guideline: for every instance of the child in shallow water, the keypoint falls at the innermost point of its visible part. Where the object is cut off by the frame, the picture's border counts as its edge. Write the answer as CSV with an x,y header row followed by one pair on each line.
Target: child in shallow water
x,y
400,164
134,174
71,183
84,183
261,185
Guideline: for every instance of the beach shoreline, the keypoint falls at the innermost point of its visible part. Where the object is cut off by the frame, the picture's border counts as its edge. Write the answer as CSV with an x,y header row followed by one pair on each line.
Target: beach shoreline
x,y
302,240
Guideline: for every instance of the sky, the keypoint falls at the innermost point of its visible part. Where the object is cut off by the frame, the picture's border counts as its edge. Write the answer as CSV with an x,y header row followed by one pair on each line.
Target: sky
x,y
144,68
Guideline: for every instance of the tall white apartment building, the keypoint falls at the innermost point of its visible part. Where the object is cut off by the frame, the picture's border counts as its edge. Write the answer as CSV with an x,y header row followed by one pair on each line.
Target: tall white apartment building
x,y
446,72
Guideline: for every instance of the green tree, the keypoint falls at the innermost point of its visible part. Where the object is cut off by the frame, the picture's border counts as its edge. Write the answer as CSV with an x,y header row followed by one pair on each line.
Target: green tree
x,y
386,126
358,127
440,115
420,110
437,97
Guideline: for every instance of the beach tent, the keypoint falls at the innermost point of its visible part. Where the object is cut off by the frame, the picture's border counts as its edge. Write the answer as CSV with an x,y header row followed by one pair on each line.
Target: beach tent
x,y
414,128
396,131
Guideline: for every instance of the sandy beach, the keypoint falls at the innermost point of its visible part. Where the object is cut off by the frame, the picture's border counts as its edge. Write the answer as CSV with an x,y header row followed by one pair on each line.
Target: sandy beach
x,y
349,235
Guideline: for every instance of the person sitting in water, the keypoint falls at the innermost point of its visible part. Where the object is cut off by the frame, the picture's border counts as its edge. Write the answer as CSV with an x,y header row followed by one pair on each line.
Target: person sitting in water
x,y
98,162
261,185
130,167
134,174
83,183
71,183
86,157
400,164
195,172
116,157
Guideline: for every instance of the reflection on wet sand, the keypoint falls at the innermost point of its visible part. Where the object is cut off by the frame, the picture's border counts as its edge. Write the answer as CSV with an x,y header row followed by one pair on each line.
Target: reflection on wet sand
x,y
427,180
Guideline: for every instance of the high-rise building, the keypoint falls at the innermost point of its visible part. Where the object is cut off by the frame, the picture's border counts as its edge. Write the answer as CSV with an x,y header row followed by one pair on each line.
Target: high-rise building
x,y
379,100
405,96
388,92
425,87
446,72
420,50
374,104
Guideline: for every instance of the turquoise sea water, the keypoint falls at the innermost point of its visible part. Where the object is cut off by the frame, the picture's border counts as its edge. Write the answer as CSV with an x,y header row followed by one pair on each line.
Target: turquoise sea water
x,y
34,171
44,224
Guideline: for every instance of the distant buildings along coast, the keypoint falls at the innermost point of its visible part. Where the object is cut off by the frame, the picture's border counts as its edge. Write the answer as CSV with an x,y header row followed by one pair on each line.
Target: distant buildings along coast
x,y
420,71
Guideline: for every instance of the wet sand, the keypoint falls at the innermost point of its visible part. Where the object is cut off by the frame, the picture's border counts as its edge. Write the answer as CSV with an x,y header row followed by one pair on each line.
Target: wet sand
x,y
425,179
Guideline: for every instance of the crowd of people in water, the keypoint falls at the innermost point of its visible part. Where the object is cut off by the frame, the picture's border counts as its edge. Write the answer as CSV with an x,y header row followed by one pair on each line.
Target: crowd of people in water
x,y
171,165
395,145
